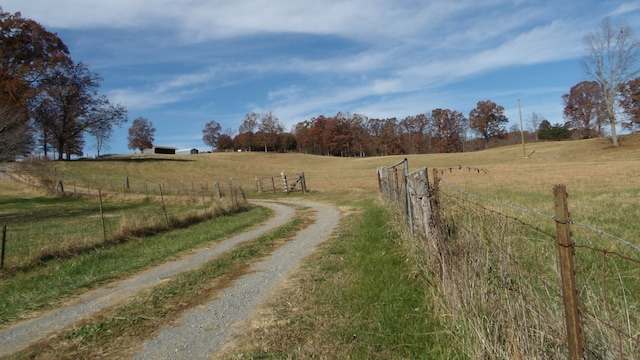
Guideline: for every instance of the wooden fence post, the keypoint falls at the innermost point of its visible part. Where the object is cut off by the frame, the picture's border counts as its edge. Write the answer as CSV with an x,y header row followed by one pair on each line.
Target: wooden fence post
x,y
303,183
567,272
164,207
418,190
396,185
435,201
407,191
218,192
104,229
285,186
4,241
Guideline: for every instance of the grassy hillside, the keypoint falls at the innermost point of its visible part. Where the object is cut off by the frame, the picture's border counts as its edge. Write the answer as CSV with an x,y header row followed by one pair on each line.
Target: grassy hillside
x,y
591,169
576,163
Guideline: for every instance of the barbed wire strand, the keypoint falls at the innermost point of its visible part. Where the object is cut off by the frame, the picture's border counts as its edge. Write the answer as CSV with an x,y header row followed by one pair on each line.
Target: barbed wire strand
x,y
538,213
514,260
533,227
525,210
604,233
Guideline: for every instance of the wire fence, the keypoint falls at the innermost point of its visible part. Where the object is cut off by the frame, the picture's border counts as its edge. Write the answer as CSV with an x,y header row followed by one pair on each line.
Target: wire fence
x,y
520,283
59,182
109,211
44,228
64,227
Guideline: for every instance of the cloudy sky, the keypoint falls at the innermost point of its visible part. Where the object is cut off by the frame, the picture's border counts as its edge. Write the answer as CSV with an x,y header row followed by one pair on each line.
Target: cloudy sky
x,y
182,63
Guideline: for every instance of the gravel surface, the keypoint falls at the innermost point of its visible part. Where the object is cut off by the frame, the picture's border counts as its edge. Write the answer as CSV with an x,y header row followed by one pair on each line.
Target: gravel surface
x,y
19,336
203,331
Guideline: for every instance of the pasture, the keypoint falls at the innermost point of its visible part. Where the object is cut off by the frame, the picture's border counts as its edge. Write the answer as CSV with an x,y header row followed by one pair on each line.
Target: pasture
x,y
603,184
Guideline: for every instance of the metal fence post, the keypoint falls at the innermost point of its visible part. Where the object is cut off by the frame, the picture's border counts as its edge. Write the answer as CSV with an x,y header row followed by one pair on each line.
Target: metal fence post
x,y
567,272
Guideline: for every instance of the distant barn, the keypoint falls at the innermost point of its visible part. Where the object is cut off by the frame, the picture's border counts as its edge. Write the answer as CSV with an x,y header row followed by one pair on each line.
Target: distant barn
x,y
160,150
187,152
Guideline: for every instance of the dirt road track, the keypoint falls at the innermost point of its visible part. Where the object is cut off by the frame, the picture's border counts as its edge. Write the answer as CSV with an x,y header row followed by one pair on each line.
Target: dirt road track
x,y
195,338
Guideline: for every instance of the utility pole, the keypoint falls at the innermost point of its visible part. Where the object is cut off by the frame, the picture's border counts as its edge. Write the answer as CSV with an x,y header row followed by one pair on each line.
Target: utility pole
x,y
524,152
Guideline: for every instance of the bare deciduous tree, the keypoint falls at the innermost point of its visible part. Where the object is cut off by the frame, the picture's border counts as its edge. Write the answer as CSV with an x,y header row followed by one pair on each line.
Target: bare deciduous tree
x,y
533,121
210,133
611,60
15,134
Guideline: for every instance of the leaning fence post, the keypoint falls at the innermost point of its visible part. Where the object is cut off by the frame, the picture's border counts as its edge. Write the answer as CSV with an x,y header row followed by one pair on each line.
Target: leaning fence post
x,y
104,229
567,272
164,207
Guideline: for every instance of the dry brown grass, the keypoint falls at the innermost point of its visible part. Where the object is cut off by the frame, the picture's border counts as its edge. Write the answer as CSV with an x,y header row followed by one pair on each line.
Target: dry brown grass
x,y
581,164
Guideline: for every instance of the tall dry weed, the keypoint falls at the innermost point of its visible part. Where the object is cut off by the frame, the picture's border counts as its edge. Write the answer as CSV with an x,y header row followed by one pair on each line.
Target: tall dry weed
x,y
496,288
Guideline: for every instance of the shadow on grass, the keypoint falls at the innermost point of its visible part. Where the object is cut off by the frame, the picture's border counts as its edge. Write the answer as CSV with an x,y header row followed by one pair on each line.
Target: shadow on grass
x,y
136,160
120,237
18,211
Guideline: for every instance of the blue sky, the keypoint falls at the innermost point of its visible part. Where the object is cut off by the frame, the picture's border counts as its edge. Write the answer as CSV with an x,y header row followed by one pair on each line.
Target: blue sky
x,y
182,63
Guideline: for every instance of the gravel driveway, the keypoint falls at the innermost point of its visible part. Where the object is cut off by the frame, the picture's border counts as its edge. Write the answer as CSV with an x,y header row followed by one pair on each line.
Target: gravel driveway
x,y
204,330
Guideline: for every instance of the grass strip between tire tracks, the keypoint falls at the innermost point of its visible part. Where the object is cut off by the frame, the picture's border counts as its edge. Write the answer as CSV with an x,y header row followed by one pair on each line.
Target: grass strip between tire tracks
x,y
355,299
118,331
43,287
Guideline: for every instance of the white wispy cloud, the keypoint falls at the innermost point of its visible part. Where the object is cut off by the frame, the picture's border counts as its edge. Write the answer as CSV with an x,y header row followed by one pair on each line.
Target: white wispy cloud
x,y
378,57
625,8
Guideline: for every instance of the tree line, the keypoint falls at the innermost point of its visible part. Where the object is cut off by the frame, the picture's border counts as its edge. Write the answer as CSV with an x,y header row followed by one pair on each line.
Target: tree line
x,y
47,100
344,134
50,103
609,97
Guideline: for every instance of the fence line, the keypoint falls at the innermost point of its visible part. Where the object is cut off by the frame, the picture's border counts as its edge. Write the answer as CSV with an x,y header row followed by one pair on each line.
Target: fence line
x,y
610,304
132,202
104,219
535,212
57,182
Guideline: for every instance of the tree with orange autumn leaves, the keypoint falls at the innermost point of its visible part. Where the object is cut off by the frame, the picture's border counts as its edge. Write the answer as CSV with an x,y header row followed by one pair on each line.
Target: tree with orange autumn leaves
x,y
488,121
